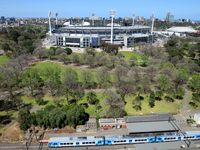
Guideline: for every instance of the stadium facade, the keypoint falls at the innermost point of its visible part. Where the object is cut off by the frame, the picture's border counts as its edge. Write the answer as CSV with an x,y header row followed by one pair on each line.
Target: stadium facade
x,y
90,36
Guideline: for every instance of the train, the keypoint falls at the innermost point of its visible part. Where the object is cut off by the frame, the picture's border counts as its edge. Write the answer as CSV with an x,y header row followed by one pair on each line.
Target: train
x,y
59,142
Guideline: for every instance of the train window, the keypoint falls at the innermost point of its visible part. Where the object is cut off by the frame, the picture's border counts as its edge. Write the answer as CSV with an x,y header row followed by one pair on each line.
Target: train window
x,y
83,142
71,143
130,140
93,142
77,143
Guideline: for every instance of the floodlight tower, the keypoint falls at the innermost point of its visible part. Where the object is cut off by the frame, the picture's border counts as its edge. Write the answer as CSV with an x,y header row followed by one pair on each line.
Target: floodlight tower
x,y
112,14
93,17
152,25
49,15
56,18
133,23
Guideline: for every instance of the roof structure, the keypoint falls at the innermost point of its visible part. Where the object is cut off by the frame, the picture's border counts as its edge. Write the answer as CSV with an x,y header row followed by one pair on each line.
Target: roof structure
x,y
149,127
151,123
149,118
182,29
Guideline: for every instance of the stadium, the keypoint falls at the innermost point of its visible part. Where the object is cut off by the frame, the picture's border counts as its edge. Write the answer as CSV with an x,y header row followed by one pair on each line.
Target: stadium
x,y
86,35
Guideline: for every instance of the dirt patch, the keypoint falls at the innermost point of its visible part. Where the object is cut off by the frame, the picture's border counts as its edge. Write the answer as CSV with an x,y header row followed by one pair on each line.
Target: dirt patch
x,y
11,133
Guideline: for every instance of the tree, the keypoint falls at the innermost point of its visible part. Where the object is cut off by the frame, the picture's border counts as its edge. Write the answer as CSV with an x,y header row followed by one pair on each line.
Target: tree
x,y
68,51
76,115
194,85
75,58
125,87
32,80
137,103
53,79
70,82
116,105
24,119
90,51
152,99
120,72
164,83
110,48
103,77
92,98
87,79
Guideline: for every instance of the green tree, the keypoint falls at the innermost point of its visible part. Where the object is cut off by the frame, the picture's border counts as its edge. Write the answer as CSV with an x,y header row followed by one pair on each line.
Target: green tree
x,y
152,99
92,98
53,79
32,80
137,105
103,77
68,51
70,82
24,119
87,79
164,83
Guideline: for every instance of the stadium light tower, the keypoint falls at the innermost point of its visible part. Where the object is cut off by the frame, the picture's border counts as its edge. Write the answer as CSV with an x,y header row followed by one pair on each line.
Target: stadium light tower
x,y
112,14
152,25
93,17
56,18
49,15
133,23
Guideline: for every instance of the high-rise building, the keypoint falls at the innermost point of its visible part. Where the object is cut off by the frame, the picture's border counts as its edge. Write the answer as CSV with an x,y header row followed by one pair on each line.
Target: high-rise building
x,y
169,17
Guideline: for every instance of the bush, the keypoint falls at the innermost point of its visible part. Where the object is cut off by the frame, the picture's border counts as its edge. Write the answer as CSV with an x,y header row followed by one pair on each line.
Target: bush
x,y
41,102
169,99
193,104
68,51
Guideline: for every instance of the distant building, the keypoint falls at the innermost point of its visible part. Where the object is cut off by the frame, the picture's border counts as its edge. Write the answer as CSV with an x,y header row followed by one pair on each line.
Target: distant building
x,y
110,123
169,17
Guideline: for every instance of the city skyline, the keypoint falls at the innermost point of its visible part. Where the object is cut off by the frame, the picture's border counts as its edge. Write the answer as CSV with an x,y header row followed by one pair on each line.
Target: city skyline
x,y
125,8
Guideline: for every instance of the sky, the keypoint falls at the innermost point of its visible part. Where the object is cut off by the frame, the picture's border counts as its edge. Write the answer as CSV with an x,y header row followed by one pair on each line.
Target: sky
x,y
84,8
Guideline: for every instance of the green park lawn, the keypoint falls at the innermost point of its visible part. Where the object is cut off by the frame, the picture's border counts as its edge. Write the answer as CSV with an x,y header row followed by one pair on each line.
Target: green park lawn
x,y
43,66
3,59
160,106
140,59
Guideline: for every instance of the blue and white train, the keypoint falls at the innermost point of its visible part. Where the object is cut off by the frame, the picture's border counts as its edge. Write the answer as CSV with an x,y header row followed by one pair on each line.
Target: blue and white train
x,y
56,142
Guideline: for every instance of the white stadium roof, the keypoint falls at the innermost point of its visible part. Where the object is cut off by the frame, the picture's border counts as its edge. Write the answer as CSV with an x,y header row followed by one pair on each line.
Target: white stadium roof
x,y
182,29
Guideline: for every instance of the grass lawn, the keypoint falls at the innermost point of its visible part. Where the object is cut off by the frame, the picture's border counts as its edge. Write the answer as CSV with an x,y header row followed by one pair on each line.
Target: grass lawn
x,y
140,59
43,66
160,106
3,59
92,109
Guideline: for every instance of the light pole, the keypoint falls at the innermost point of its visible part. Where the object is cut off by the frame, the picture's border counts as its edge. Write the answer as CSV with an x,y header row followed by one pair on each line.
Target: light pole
x,y
56,18
112,14
133,23
152,25
49,15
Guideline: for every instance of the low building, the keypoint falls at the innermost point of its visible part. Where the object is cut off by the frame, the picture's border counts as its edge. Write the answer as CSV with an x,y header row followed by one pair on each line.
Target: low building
x,y
110,123
151,124
91,123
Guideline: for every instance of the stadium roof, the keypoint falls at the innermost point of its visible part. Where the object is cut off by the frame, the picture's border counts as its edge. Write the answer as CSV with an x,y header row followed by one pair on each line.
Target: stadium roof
x,y
104,27
182,29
